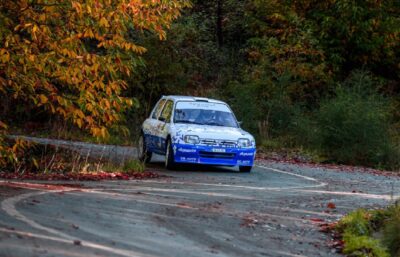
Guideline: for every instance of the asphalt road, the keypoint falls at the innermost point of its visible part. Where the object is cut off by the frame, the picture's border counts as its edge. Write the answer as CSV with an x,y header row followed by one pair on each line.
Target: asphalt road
x,y
273,211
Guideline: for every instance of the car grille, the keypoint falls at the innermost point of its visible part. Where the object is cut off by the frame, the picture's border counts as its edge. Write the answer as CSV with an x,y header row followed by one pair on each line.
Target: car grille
x,y
205,154
216,142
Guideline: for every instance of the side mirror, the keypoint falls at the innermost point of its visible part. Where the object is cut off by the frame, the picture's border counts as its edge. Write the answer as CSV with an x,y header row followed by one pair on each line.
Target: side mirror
x,y
240,123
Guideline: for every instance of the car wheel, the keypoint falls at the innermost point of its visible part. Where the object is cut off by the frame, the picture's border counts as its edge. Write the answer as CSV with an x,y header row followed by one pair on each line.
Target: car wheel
x,y
245,168
169,156
144,154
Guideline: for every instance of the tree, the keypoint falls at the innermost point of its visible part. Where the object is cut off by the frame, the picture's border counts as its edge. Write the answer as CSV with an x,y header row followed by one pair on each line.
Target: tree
x,y
70,58
359,34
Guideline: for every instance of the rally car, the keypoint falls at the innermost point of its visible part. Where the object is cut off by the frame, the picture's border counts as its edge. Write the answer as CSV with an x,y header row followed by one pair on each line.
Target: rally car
x,y
196,130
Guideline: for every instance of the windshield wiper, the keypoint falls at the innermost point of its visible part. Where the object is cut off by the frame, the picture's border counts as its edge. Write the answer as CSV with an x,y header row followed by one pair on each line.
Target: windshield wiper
x,y
189,121
215,124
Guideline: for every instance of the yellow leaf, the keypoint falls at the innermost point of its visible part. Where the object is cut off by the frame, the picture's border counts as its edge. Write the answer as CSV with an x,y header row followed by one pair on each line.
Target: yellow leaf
x,y
103,132
104,22
79,123
43,99
79,113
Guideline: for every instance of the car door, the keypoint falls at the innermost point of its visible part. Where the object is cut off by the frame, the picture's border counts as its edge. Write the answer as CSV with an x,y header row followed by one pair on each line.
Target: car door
x,y
150,127
164,123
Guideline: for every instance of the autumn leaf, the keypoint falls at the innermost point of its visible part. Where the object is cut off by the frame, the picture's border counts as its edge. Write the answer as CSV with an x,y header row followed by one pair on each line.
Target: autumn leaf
x,y
64,56
43,99
331,205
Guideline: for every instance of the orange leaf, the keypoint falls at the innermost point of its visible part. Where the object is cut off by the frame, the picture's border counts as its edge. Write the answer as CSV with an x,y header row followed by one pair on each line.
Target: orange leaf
x,y
43,99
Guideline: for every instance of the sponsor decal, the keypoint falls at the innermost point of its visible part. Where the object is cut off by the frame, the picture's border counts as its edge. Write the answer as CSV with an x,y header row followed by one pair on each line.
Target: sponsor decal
x,y
183,150
243,162
218,150
188,159
246,154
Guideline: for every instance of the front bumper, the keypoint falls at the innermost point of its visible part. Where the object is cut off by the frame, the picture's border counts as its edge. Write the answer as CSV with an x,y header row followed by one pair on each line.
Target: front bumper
x,y
213,155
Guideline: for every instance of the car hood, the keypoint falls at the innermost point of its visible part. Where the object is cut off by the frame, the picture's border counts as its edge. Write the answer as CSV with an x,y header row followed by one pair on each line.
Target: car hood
x,y
211,132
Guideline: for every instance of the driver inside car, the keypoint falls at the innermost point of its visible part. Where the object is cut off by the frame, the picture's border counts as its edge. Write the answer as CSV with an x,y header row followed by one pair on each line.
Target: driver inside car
x,y
206,117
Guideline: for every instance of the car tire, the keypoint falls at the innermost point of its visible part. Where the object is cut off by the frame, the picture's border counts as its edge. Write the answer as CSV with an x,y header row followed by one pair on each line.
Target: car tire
x,y
169,156
246,169
144,153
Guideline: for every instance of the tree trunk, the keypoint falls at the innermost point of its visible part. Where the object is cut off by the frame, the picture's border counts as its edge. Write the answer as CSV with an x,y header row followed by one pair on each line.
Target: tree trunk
x,y
219,23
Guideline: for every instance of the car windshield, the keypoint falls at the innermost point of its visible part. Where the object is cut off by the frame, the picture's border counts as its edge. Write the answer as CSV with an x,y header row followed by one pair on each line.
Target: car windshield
x,y
204,113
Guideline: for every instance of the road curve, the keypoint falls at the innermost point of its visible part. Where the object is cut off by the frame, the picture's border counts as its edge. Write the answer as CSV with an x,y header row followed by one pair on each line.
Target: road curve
x,y
196,211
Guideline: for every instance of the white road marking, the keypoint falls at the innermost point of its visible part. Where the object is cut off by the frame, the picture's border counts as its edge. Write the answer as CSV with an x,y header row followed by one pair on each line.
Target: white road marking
x,y
140,188
319,184
8,205
235,186
342,193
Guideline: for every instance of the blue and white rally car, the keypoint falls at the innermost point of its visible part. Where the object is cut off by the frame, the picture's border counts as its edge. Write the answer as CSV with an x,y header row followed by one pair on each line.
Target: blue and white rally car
x,y
196,130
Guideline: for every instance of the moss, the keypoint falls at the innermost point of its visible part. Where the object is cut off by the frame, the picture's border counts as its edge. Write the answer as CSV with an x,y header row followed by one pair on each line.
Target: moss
x,y
363,246
356,223
357,230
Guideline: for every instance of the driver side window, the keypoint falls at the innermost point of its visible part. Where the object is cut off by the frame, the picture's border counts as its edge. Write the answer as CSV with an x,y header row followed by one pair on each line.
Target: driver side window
x,y
167,112
157,109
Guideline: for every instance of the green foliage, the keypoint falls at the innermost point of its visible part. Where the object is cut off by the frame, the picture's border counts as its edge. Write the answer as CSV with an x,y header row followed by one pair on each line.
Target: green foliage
x,y
356,231
353,126
363,246
359,228
134,165
279,111
360,34
356,223
248,113
391,231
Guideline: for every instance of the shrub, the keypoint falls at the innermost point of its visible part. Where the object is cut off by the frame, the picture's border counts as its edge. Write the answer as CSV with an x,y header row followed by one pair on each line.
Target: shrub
x,y
356,230
355,223
354,128
391,232
265,106
372,233
362,246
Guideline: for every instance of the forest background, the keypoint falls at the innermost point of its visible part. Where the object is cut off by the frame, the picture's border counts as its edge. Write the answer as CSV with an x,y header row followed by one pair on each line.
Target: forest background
x,y
319,78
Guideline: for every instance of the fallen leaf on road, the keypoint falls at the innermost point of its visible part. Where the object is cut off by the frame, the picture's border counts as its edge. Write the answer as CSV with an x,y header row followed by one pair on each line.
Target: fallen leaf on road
x,y
331,205
317,220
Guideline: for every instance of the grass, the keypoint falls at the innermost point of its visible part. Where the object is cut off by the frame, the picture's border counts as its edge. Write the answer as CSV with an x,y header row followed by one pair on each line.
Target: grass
x,y
373,233
134,165
48,159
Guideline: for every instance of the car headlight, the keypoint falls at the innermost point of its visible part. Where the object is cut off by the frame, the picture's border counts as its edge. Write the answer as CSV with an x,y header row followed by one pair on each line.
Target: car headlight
x,y
244,142
191,139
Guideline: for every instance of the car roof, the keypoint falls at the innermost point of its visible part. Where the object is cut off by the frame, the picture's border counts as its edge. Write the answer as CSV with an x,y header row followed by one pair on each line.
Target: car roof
x,y
176,98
